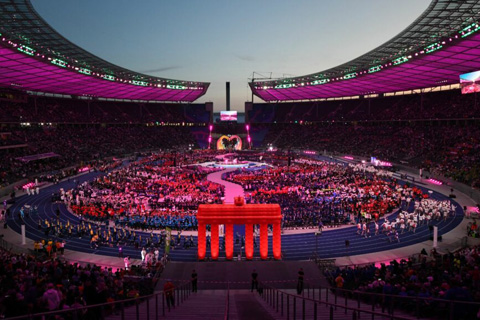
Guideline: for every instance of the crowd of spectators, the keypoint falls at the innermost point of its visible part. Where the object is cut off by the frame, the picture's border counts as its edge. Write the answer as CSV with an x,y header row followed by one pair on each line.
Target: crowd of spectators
x,y
435,105
31,285
450,151
316,193
147,194
452,276
75,146
62,110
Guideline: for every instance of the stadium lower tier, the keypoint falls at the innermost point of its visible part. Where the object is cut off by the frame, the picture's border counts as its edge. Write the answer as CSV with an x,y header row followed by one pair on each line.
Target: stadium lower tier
x,y
331,243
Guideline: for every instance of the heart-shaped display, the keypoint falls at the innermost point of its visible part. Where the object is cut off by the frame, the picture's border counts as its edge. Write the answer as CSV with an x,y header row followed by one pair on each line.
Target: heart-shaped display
x,y
229,143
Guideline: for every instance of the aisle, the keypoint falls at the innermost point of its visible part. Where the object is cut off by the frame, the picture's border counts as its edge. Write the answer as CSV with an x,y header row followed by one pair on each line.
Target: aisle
x,y
232,190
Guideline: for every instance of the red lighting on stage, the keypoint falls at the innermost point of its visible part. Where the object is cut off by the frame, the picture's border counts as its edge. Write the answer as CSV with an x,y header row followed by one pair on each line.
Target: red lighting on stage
x,y
263,241
239,213
214,241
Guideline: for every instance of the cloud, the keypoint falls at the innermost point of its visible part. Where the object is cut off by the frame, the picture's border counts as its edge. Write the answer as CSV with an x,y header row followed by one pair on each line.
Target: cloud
x,y
245,57
158,70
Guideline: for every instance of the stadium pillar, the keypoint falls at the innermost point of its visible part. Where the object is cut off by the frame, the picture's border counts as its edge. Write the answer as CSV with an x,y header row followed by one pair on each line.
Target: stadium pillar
x,y
202,241
263,241
277,241
214,241
229,241
249,241
227,88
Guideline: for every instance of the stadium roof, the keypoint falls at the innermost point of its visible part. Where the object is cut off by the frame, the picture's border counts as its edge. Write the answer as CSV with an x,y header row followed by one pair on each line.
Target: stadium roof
x,y
434,50
34,57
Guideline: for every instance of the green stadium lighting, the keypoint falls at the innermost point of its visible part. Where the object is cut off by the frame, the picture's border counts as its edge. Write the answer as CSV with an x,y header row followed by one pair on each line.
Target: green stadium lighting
x,y
109,77
433,47
26,50
59,63
85,71
400,60
375,69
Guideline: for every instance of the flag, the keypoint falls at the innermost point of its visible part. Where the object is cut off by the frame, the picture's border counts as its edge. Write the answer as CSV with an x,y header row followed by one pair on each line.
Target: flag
x,y
167,240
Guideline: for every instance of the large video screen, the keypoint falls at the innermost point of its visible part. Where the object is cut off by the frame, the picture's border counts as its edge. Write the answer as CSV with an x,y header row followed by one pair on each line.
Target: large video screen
x,y
470,82
228,115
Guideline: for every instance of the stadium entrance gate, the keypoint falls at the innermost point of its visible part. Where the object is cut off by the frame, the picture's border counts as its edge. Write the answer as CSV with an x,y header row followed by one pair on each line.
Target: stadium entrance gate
x,y
239,213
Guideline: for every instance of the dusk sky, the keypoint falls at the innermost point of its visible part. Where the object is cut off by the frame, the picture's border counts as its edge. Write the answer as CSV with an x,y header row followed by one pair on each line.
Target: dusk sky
x,y
217,41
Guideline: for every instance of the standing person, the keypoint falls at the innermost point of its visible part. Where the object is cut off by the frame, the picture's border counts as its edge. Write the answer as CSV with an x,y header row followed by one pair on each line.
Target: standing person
x,y
169,290
339,281
144,253
254,280
194,281
301,274
51,298
126,260
62,247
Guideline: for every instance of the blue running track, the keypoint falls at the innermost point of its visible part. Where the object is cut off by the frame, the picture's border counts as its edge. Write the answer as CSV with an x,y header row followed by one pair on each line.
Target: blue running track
x,y
294,247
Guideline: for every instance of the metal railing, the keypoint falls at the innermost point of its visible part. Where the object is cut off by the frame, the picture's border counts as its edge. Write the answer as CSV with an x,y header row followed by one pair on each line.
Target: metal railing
x,y
17,249
374,304
101,310
227,303
286,304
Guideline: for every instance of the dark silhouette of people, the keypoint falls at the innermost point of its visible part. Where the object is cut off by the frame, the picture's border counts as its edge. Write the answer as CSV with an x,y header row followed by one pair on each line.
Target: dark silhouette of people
x,y
254,280
301,274
169,290
194,281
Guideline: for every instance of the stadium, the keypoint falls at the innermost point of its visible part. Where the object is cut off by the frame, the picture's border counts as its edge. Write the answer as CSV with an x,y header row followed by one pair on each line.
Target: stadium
x,y
346,193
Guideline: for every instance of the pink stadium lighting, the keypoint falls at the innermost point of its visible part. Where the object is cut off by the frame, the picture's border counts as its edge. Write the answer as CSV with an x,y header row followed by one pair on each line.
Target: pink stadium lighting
x,y
28,185
309,152
348,157
210,127
248,127
383,163
435,182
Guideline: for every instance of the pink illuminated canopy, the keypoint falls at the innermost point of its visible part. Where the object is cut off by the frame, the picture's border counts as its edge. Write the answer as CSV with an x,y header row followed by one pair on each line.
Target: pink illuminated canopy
x,y
442,67
35,57
442,43
27,73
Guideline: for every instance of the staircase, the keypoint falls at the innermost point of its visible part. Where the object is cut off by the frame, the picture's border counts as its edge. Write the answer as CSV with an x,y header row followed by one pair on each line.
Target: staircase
x,y
246,305
202,305
294,306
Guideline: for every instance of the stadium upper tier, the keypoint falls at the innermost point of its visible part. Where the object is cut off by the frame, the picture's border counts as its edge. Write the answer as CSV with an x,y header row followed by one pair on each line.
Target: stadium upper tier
x,y
434,50
34,57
